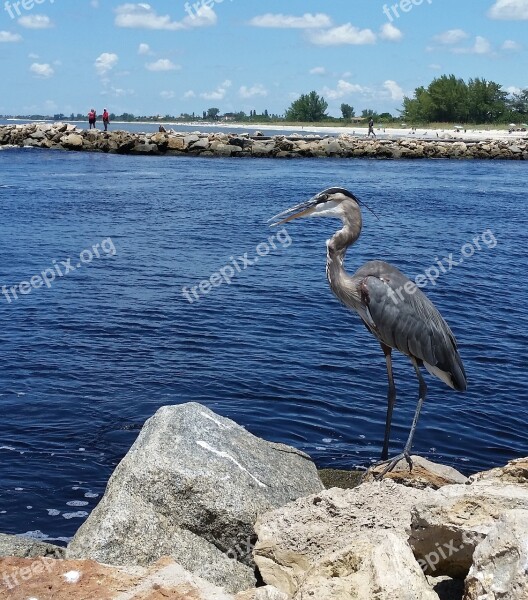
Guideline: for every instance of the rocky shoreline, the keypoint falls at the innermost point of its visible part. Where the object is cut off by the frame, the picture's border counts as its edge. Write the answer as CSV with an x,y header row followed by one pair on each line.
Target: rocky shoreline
x,y
200,508
62,136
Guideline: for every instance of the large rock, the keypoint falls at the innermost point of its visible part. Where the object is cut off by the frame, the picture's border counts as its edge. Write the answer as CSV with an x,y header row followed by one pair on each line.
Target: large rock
x,y
516,472
23,547
424,474
500,562
191,487
72,141
446,530
297,538
376,565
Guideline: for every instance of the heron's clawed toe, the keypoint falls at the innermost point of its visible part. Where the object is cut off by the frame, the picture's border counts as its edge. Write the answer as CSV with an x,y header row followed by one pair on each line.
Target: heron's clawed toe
x,y
390,464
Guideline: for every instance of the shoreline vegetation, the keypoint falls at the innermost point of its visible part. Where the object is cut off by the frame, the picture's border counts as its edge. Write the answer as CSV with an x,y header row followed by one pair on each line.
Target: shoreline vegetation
x,y
352,143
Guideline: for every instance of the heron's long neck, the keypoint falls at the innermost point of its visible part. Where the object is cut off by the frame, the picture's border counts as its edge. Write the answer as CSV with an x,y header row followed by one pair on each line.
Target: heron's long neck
x,y
336,248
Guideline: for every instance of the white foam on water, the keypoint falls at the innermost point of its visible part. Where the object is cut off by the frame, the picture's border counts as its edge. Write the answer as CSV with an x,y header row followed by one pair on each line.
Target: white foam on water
x,y
76,503
75,515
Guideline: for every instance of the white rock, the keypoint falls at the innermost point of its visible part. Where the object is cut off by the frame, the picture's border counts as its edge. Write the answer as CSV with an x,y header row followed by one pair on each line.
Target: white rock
x,y
500,563
376,565
295,538
447,529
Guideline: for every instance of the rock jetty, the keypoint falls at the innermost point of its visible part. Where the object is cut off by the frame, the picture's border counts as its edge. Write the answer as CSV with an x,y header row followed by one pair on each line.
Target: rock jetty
x,y
68,137
200,508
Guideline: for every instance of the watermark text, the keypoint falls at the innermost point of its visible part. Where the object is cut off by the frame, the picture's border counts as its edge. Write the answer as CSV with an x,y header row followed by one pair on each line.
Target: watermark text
x,y
59,269
228,272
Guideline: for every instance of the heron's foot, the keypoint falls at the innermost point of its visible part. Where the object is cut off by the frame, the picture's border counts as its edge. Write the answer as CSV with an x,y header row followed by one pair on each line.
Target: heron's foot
x,y
390,464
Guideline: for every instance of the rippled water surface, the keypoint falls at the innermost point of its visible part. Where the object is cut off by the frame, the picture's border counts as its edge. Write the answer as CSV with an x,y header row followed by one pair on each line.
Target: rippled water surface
x,y
85,362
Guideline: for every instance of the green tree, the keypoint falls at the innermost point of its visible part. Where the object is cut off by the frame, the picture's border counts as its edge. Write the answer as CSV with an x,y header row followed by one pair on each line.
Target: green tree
x,y
212,113
368,113
518,103
347,111
449,99
308,108
486,101
420,108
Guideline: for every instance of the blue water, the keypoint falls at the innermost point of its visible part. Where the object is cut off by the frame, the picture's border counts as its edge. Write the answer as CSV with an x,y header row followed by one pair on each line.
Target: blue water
x,y
85,362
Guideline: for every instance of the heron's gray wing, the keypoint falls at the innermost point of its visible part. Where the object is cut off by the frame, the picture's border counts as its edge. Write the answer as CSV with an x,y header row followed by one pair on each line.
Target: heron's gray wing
x,y
402,317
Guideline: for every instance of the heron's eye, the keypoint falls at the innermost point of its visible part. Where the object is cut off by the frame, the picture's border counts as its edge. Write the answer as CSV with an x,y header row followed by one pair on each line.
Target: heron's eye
x,y
324,197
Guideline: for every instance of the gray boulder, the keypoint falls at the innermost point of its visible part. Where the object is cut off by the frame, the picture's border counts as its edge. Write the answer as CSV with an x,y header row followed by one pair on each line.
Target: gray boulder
x,y
73,141
191,487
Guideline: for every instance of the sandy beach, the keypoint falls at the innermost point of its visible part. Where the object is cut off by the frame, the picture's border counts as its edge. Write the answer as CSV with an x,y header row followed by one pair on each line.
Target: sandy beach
x,y
382,132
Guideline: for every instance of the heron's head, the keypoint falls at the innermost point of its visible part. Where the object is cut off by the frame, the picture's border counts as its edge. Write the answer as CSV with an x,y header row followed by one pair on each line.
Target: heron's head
x,y
334,202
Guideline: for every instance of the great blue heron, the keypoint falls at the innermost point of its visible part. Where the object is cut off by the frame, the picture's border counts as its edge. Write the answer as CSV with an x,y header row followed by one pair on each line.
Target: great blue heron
x,y
392,307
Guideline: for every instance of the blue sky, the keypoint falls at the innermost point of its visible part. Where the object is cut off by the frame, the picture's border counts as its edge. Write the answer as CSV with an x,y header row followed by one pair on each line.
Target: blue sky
x,y
173,57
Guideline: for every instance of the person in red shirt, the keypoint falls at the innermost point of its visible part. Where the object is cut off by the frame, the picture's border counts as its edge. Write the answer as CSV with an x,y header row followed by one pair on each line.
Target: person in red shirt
x,y
92,116
106,119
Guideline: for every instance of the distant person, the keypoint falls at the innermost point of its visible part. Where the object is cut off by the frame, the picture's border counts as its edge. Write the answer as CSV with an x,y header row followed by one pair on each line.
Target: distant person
x,y
92,117
162,129
106,119
371,128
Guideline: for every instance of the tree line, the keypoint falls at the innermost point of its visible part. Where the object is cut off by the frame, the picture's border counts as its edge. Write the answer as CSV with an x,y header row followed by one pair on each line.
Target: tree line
x,y
449,98
446,99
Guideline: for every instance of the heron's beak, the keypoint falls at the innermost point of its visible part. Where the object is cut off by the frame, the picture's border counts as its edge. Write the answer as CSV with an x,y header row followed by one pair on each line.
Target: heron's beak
x,y
304,209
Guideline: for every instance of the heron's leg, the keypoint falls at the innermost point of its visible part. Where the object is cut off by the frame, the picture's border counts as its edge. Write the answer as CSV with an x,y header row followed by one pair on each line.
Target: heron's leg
x,y
407,449
421,398
391,399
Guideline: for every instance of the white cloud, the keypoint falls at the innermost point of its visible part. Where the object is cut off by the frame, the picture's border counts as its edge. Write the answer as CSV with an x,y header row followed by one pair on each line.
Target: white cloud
x,y
390,33
204,17
167,95
219,93
189,94
7,36
344,88
481,46
94,3
42,70
318,71
35,22
280,21
435,67
452,36
33,56
163,64
513,89
144,49
395,91
105,62
256,90
511,45
345,34
143,16
117,92
513,10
